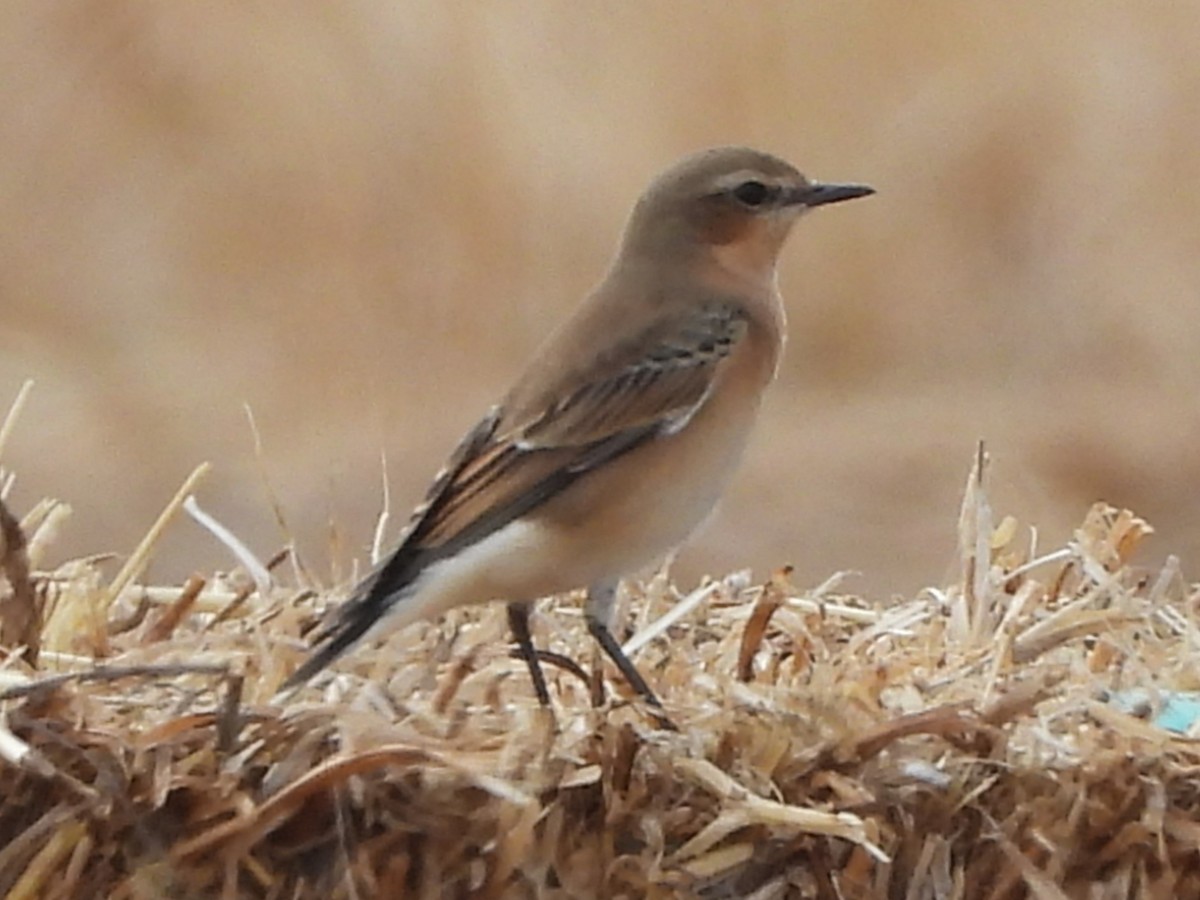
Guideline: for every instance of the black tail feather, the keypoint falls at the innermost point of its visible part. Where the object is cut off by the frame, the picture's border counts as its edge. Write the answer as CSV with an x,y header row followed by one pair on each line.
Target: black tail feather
x,y
341,641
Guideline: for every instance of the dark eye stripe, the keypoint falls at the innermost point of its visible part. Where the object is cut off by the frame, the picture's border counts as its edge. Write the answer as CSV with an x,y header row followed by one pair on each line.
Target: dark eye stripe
x,y
754,193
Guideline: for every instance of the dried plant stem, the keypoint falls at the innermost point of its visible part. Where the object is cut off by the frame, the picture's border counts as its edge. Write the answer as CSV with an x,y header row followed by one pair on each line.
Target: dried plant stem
x,y
140,558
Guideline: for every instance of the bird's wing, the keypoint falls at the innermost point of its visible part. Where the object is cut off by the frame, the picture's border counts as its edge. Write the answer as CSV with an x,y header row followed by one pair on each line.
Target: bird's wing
x,y
516,459
646,386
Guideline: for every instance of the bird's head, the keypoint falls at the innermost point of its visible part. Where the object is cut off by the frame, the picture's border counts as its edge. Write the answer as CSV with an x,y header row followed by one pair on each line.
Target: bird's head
x,y
733,205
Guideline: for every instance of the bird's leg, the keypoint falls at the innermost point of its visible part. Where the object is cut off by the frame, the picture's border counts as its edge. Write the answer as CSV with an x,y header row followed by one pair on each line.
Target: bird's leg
x,y
518,623
596,678
598,611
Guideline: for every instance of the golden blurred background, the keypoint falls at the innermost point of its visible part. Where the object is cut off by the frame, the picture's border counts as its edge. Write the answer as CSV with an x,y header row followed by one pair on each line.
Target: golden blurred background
x,y
359,219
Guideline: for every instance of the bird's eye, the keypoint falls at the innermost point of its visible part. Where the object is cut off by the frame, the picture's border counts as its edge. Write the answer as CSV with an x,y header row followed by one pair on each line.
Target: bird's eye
x,y
752,193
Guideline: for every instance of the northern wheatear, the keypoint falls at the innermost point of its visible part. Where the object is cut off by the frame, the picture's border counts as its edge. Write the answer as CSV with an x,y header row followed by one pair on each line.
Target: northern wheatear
x,y
622,433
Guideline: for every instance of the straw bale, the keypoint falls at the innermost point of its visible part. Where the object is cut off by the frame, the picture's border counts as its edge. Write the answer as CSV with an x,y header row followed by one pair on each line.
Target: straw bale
x,y
963,743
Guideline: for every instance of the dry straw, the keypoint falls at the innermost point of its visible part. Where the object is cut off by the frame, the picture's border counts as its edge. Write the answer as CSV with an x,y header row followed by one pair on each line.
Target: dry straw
x,y
959,744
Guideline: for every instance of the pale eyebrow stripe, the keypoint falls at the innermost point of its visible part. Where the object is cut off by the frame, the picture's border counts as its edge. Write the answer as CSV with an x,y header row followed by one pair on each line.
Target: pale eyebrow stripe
x,y
726,182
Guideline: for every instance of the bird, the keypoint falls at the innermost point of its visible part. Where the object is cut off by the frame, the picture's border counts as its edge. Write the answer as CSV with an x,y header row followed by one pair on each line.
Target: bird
x,y
622,433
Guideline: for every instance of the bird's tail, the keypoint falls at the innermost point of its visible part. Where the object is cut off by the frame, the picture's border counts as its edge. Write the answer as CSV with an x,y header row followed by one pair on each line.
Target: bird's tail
x,y
350,622
342,639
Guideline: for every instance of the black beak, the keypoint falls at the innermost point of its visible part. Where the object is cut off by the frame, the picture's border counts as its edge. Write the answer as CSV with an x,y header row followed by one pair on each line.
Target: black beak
x,y
819,194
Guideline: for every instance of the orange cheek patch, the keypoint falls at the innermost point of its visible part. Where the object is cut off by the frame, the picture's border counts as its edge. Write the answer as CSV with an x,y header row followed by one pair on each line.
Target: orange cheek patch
x,y
725,227
749,252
